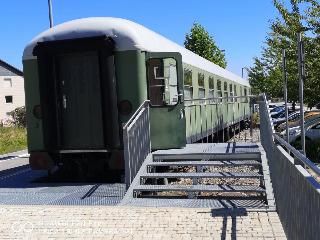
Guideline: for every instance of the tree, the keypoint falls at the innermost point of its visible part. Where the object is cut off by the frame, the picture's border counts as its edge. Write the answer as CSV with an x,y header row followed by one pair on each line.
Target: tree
x,y
200,42
283,35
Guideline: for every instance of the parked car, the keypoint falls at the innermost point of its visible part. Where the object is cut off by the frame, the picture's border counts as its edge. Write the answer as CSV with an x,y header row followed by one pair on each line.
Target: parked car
x,y
276,109
282,118
312,131
295,122
278,113
272,106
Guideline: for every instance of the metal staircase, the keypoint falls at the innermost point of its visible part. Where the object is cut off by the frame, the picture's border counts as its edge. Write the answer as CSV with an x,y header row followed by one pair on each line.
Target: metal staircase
x,y
225,175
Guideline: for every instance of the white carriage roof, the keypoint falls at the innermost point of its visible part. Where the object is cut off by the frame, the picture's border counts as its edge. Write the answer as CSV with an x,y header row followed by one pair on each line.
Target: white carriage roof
x,y
127,35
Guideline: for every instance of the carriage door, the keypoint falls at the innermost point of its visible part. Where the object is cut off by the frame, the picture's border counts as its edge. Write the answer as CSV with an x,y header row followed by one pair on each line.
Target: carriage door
x,y
165,92
81,114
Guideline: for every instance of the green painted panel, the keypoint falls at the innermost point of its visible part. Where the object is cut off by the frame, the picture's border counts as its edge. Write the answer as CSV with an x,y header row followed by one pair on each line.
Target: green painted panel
x,y
131,79
166,128
34,125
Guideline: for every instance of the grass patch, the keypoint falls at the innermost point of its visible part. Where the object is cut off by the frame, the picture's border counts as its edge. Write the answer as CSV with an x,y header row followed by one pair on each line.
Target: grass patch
x,y
12,139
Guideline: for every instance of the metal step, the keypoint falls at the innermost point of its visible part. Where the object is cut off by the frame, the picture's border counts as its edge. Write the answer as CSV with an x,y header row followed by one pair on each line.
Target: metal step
x,y
207,163
199,188
200,203
207,156
202,175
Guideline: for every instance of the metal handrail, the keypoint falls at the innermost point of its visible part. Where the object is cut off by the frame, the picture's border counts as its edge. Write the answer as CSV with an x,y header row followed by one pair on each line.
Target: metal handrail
x,y
136,141
132,118
274,137
306,161
217,98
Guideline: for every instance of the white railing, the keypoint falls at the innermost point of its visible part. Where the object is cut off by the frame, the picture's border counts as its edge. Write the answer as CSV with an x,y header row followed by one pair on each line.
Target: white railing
x,y
136,141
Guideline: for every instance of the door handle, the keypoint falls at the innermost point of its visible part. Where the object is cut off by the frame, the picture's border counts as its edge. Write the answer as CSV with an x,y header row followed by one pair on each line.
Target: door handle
x,y
181,113
64,101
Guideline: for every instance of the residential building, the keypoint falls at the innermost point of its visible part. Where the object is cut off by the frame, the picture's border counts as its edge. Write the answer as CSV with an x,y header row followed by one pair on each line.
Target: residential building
x,y
11,89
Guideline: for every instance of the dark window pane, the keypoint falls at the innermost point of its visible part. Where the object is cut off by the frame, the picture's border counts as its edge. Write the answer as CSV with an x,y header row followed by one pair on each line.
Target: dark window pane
x,y
9,99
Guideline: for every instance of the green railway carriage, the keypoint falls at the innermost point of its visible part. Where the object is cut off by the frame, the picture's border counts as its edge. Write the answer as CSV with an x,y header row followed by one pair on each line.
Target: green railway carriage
x,y
85,78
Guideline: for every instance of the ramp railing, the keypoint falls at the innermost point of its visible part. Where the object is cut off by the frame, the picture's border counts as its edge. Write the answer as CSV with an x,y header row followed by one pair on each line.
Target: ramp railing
x,y
294,179
136,141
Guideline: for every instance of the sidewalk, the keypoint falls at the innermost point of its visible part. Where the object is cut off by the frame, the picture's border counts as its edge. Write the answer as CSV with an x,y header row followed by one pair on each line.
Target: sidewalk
x,y
93,222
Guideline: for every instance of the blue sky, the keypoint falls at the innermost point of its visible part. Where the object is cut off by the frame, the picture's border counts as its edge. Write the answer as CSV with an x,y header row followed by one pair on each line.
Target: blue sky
x,y
238,26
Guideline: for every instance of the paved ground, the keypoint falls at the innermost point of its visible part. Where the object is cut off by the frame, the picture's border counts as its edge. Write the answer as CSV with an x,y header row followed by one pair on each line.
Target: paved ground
x,y
103,222
120,222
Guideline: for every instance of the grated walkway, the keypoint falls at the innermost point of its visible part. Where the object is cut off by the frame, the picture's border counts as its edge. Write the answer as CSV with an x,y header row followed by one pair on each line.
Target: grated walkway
x,y
20,186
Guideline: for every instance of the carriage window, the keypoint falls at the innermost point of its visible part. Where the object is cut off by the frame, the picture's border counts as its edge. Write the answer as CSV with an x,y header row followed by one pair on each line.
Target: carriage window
x,y
219,91
245,94
201,85
235,93
211,89
188,89
225,88
231,99
163,81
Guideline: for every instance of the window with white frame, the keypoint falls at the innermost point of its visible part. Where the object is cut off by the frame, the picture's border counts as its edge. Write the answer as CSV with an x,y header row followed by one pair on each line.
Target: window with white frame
x,y
231,93
225,94
219,91
211,89
188,88
201,85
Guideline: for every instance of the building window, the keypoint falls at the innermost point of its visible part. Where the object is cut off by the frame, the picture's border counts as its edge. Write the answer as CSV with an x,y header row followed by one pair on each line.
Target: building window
x,y
188,89
7,82
201,85
9,99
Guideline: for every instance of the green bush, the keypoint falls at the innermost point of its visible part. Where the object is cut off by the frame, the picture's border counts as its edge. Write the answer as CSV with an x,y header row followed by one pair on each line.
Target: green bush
x,y
18,117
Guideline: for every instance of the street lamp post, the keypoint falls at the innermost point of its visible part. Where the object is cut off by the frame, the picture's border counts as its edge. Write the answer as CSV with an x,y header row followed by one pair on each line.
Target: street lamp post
x,y
50,13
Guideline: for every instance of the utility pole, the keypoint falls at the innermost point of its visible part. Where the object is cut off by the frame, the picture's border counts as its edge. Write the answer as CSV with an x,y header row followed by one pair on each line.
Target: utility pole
x,y
50,13
301,79
285,90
